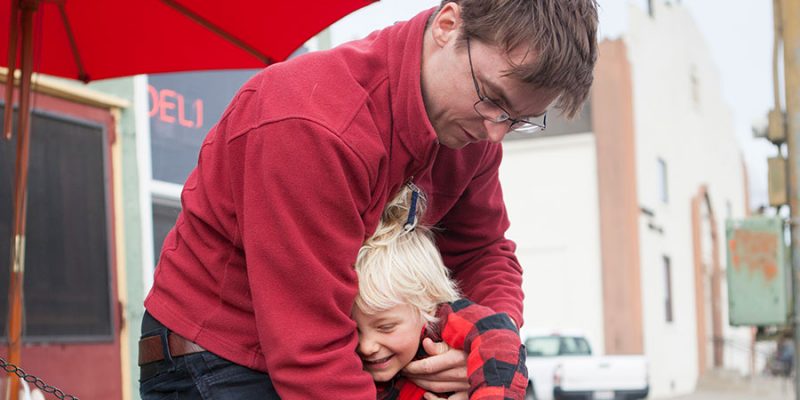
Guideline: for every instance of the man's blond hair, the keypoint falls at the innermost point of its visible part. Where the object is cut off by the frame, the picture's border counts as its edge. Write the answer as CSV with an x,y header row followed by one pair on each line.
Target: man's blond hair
x,y
397,265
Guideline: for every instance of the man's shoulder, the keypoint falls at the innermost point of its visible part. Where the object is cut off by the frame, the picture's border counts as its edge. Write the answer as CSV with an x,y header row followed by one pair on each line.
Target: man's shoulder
x,y
325,88
326,84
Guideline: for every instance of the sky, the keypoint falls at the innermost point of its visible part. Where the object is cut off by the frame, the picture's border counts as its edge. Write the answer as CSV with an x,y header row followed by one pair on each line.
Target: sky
x,y
738,33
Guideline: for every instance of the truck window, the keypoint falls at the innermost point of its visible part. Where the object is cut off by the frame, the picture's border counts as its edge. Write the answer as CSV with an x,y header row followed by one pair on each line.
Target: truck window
x,y
574,346
552,346
583,346
542,346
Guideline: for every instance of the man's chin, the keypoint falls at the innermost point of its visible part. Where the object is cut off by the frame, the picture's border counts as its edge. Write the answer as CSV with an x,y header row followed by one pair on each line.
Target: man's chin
x,y
453,143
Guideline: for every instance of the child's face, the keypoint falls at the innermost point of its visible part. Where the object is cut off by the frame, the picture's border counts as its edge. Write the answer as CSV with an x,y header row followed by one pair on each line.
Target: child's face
x,y
388,340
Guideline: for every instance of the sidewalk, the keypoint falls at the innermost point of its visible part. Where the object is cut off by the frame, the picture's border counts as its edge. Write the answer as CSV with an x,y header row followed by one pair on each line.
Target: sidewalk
x,y
757,388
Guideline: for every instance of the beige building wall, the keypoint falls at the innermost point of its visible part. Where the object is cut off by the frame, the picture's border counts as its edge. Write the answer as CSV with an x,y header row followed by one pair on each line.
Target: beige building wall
x,y
682,123
550,187
598,212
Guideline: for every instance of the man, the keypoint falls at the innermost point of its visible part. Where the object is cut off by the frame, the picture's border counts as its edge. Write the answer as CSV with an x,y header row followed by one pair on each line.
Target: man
x,y
254,287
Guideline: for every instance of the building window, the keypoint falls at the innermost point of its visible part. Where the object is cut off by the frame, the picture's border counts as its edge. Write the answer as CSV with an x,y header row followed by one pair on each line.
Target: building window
x,y
68,245
668,316
181,108
663,189
165,213
165,207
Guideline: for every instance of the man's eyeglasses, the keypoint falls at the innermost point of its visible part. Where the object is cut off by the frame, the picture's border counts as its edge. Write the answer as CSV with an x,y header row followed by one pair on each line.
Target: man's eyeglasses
x,y
493,112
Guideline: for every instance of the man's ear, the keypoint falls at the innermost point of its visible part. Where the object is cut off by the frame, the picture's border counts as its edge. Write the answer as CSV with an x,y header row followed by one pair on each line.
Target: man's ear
x,y
446,25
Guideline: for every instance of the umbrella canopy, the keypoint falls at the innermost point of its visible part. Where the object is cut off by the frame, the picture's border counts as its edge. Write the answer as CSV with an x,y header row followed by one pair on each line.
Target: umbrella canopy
x,y
95,39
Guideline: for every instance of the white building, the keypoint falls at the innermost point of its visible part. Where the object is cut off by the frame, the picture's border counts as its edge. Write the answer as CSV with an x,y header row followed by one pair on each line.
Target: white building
x,y
619,216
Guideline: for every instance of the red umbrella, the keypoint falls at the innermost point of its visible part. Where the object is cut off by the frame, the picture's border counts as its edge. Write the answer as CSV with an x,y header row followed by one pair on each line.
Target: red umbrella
x,y
97,39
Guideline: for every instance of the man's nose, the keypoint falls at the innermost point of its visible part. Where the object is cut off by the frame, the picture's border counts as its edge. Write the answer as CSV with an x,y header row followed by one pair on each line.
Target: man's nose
x,y
495,132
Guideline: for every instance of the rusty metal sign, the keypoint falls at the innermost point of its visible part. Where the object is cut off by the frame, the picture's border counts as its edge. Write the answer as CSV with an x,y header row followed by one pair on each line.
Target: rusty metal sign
x,y
757,271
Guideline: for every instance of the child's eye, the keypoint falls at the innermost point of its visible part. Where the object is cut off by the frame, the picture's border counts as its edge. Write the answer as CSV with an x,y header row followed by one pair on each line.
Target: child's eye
x,y
386,327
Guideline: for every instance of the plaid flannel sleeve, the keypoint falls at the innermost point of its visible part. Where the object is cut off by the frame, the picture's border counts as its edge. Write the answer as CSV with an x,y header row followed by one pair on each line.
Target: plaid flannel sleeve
x,y
495,356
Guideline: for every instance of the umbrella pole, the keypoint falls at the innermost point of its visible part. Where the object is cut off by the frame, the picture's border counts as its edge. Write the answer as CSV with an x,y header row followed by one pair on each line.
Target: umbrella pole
x,y
20,199
12,61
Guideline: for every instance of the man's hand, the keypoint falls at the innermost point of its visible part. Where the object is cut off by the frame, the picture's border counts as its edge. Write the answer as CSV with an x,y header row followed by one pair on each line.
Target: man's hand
x,y
444,371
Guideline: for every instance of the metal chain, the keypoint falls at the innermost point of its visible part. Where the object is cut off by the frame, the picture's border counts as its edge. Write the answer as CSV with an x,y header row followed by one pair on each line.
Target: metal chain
x,y
13,369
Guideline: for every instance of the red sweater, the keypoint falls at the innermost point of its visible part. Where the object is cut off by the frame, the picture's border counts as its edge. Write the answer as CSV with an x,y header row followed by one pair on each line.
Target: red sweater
x,y
290,182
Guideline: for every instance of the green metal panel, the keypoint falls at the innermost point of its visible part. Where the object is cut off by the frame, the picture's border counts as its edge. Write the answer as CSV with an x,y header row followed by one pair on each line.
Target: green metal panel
x,y
134,277
757,272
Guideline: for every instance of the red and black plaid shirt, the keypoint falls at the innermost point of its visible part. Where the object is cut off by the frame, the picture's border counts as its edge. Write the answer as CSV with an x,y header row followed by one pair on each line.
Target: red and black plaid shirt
x,y
495,356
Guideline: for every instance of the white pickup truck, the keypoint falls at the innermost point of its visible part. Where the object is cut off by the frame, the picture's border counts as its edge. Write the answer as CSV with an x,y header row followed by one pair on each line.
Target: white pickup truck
x,y
561,367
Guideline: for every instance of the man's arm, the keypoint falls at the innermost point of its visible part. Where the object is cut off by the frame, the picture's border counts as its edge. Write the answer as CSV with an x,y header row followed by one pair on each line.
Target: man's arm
x,y
302,189
474,246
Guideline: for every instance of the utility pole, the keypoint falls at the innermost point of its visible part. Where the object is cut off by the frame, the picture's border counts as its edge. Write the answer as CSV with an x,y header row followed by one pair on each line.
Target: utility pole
x,y
790,10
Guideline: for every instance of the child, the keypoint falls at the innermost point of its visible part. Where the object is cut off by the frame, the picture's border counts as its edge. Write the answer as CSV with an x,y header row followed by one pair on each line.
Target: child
x,y
405,294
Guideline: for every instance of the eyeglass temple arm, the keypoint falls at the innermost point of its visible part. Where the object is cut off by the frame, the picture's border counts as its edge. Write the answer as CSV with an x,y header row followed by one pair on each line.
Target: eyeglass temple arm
x,y
472,71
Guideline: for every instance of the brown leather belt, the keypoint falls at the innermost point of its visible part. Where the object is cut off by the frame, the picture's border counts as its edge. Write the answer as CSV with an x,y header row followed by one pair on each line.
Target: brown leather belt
x,y
151,350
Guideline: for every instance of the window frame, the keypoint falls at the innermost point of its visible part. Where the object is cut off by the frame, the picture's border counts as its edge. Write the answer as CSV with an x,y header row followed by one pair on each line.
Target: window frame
x,y
109,323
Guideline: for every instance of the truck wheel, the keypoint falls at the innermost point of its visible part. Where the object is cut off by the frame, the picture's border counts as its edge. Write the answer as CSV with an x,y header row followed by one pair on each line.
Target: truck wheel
x,y
530,394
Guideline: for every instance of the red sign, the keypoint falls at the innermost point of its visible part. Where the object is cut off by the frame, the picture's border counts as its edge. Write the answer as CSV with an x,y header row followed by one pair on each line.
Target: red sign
x,y
169,106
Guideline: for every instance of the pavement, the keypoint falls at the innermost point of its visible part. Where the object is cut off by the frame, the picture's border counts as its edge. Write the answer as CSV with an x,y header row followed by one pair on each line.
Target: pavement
x,y
742,388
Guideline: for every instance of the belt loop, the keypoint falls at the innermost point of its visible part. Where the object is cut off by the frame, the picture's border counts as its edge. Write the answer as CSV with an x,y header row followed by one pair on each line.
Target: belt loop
x,y
165,346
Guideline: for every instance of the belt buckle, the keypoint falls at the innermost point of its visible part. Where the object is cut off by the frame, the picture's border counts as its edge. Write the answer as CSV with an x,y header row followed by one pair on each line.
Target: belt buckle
x,y
165,345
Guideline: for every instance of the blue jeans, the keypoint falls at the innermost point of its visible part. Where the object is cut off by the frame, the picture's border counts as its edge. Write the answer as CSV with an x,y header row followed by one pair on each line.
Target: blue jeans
x,y
201,375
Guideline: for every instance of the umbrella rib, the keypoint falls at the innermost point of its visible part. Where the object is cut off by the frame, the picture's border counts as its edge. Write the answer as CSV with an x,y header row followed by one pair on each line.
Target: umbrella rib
x,y
82,75
219,31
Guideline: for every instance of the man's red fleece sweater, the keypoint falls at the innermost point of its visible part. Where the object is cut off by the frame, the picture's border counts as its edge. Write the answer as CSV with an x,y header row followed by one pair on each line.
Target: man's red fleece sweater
x,y
259,266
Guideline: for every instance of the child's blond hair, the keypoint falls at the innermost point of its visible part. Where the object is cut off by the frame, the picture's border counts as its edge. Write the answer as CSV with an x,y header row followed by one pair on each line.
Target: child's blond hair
x,y
398,265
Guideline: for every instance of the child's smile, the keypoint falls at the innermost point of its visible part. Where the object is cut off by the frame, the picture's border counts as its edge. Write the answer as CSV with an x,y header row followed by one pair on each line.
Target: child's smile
x,y
388,340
